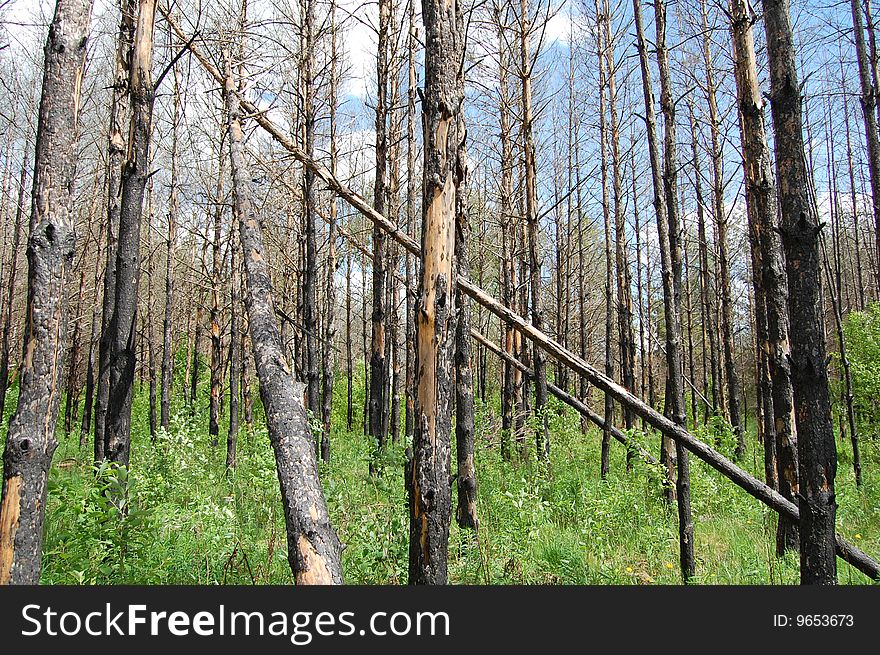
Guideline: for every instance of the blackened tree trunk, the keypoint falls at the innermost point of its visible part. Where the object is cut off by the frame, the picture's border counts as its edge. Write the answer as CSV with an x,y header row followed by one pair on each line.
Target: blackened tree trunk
x,y
216,364
605,461
95,335
799,226
667,451
507,269
147,320
624,306
123,324
761,203
310,267
171,238
466,481
542,434
329,336
246,357
378,404
117,146
235,356
195,366
30,441
313,547
430,488
411,205
674,377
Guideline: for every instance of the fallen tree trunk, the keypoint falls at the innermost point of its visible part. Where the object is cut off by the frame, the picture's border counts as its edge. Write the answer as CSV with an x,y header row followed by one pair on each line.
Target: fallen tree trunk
x,y
713,458
570,400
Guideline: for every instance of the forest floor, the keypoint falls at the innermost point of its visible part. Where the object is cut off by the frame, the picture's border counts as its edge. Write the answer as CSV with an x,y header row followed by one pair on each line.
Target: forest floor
x,y
539,524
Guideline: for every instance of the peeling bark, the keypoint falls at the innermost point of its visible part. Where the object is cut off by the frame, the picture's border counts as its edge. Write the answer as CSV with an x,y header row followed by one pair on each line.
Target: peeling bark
x,y
430,486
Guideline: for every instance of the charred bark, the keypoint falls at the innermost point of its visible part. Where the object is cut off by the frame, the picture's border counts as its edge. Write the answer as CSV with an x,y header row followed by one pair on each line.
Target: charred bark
x,y
799,227
30,441
313,547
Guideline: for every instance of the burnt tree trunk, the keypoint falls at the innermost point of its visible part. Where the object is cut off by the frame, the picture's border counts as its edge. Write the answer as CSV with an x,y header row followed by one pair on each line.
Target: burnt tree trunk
x,y
310,263
117,146
216,365
378,404
171,237
670,259
329,334
605,461
542,434
430,488
411,200
313,547
30,441
123,323
761,203
466,480
626,338
91,358
235,354
799,227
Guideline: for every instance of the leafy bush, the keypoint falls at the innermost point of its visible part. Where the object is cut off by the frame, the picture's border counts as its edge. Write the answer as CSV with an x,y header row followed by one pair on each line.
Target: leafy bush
x,y
862,334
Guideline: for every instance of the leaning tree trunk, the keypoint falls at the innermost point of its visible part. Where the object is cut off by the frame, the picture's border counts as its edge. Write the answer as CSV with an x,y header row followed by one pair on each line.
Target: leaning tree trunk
x,y
313,547
30,442
799,227
430,489
117,441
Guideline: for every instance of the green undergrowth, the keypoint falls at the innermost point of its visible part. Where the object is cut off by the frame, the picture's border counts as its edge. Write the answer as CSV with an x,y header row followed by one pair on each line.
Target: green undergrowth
x,y
186,522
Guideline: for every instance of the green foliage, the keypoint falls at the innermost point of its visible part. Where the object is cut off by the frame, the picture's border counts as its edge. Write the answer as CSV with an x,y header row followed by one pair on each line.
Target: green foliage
x,y
862,334
718,433
187,522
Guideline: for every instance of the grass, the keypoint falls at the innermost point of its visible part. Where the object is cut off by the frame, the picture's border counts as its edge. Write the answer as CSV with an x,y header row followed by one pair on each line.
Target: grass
x,y
539,524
